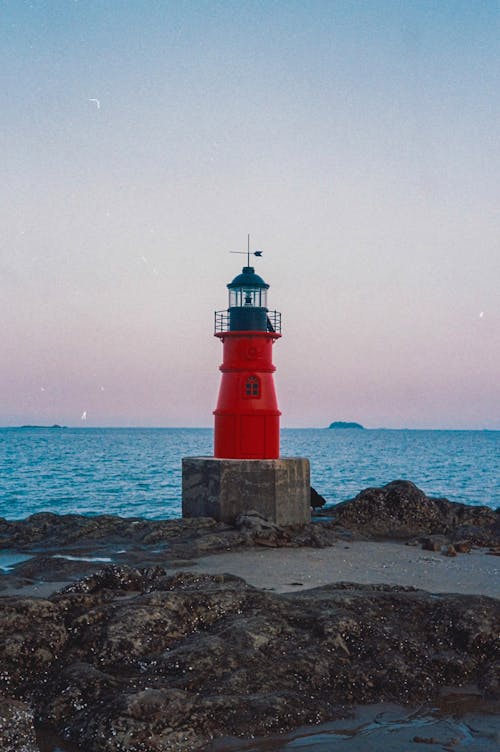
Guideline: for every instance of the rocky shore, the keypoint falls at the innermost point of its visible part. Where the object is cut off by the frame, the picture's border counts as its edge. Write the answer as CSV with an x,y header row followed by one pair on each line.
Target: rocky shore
x,y
124,653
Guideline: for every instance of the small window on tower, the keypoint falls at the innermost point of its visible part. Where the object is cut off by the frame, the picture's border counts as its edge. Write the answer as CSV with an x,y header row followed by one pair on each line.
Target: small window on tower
x,y
252,387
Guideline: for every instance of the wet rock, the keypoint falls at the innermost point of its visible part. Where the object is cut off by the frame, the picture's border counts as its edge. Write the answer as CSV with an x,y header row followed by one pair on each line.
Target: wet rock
x,y
54,568
17,732
139,660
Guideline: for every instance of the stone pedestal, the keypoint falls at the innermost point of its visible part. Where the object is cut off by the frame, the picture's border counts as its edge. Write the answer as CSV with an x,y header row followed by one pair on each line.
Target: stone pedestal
x,y
280,490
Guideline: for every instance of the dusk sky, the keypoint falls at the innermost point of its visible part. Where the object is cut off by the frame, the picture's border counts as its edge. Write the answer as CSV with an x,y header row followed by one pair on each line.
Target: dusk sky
x,y
358,143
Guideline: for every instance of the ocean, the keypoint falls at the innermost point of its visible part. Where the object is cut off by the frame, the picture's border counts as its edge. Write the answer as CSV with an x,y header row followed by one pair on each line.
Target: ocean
x,y
136,472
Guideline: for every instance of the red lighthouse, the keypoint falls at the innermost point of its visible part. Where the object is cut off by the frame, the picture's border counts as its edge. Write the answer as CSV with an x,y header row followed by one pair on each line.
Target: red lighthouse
x,y
246,472
247,415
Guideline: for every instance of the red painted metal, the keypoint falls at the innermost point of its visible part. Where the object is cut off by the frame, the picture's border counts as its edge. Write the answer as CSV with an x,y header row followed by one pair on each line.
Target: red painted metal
x,y
247,415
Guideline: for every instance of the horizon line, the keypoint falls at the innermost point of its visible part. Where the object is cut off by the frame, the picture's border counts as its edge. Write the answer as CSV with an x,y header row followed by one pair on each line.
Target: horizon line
x,y
206,428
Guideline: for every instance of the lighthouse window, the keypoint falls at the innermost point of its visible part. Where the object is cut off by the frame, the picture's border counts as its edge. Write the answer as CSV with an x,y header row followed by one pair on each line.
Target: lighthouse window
x,y
254,297
252,387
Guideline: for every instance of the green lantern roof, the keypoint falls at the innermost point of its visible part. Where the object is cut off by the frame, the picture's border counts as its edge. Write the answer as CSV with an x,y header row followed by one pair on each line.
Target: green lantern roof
x,y
248,278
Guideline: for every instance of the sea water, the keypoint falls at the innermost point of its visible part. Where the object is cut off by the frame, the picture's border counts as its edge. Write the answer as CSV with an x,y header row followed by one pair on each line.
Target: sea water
x,y
137,472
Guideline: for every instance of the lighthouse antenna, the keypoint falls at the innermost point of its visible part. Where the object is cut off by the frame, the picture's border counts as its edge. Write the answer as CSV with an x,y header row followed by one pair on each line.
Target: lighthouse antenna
x,y
248,253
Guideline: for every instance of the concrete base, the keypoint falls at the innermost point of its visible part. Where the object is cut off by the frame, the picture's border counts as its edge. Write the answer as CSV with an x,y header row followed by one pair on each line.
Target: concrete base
x,y
280,490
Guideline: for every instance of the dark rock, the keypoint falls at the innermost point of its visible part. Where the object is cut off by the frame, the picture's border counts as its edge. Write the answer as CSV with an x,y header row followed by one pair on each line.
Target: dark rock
x,y
450,551
315,536
133,660
53,531
401,510
17,732
434,542
254,522
426,740
476,535
113,577
54,568
316,499
32,637
463,547
397,510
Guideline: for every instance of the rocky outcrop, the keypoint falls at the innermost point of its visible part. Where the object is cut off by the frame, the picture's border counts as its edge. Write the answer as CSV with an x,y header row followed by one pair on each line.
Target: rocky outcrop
x,y
105,534
139,661
401,510
50,530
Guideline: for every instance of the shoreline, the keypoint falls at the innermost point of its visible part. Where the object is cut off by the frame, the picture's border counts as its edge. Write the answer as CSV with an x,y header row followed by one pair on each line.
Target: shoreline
x,y
204,636
291,570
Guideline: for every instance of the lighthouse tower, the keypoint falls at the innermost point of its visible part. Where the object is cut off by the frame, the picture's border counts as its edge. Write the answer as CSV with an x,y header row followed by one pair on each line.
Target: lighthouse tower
x,y
247,415
247,472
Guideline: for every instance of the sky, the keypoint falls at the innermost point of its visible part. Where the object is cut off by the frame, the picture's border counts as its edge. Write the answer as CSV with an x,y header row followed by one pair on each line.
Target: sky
x,y
357,142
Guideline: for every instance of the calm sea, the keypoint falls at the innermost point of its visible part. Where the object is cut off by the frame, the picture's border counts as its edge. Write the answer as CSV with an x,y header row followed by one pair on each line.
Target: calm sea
x,y
137,472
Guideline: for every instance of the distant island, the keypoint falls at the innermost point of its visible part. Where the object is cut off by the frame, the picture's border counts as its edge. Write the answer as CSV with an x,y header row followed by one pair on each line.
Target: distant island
x,y
43,427
343,424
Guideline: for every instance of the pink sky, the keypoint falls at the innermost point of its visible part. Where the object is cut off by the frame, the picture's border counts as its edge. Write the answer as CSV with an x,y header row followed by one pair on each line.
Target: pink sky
x,y
358,145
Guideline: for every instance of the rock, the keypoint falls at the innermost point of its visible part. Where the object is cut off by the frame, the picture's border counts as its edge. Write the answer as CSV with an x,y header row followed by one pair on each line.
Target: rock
x,y
426,740
33,635
113,577
434,542
315,536
54,568
132,660
316,499
254,522
344,424
401,510
450,551
258,530
61,531
17,733
397,510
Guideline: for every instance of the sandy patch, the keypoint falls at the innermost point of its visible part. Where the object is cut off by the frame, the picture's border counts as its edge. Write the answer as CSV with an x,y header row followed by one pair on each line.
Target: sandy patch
x,y
282,569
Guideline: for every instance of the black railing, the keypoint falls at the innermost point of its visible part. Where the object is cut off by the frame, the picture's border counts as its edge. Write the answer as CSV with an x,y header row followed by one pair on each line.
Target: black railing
x,y
222,321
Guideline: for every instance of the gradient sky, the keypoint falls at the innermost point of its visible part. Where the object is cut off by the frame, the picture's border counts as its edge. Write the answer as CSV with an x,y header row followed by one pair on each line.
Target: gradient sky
x,y
358,143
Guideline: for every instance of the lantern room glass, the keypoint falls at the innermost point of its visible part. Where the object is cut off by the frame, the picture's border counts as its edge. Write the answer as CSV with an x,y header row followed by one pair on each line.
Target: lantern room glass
x,y
248,297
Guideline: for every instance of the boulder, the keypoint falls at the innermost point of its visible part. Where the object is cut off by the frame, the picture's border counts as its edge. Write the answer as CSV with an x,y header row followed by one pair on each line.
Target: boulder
x,y
401,510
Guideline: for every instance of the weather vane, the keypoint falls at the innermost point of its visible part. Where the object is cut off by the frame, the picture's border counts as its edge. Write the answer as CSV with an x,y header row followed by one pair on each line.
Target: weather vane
x,y
247,253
